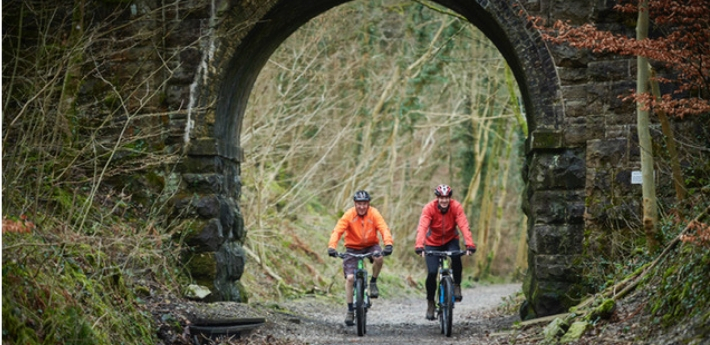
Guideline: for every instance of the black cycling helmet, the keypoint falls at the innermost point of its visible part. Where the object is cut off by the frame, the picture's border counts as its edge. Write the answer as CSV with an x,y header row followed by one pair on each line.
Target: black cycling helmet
x,y
443,190
361,195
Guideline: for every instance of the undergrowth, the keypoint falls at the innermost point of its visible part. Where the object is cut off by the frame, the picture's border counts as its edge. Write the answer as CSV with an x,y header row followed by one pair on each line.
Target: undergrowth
x,y
82,241
674,282
64,287
681,283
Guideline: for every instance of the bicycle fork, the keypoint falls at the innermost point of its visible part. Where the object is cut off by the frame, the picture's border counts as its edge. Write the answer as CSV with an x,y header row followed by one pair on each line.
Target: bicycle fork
x,y
360,273
444,273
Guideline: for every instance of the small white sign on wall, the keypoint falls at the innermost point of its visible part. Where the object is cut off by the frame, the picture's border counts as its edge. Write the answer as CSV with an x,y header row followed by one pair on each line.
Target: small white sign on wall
x,y
636,177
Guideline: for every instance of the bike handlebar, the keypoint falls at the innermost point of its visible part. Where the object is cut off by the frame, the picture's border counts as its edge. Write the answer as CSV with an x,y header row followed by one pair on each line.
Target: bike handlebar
x,y
445,252
363,256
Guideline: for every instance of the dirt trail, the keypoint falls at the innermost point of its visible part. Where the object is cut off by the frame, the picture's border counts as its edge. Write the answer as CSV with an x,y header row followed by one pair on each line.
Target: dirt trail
x,y
398,321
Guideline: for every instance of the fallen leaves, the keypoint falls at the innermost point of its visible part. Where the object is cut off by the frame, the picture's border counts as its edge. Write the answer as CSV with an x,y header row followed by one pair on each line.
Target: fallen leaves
x,y
22,225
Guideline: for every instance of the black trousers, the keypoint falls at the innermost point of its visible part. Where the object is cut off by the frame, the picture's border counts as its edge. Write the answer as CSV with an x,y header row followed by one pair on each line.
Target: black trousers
x,y
432,266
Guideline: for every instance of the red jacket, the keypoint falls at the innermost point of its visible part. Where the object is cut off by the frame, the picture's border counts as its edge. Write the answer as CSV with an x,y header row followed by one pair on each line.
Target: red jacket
x,y
360,232
437,229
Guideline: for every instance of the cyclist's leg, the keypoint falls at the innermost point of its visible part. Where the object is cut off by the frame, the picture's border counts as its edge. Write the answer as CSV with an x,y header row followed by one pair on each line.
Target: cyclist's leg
x,y
432,266
376,268
349,280
376,261
456,268
349,266
456,265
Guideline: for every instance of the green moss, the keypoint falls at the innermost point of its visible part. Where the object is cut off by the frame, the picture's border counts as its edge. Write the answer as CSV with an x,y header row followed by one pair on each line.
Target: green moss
x,y
192,229
154,180
141,291
243,294
575,331
547,139
555,329
111,100
203,268
603,311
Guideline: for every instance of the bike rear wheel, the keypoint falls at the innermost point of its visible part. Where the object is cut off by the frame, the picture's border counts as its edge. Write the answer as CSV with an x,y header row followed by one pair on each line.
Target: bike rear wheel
x,y
446,310
360,318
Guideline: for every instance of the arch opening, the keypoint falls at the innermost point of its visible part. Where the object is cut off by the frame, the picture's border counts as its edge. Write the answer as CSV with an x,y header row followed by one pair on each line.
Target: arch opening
x,y
395,101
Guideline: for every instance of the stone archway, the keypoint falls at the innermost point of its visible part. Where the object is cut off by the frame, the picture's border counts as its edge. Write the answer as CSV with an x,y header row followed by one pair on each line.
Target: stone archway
x,y
556,154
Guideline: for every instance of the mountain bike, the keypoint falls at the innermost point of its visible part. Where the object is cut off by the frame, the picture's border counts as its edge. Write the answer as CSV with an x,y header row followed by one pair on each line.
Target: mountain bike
x,y
445,289
361,293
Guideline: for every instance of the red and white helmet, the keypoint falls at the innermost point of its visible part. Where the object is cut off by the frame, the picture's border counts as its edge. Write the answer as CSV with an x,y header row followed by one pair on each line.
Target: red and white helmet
x,y
443,190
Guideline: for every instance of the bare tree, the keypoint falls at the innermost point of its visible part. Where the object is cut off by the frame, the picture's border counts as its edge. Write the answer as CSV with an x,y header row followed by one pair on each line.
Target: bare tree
x,y
650,212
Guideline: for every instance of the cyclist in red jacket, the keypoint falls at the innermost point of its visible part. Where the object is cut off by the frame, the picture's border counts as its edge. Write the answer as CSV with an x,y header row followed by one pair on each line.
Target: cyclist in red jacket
x,y
437,231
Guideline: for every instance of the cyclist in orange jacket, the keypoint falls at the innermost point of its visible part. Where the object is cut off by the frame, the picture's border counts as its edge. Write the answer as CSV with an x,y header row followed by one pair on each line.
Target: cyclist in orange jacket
x,y
437,231
360,224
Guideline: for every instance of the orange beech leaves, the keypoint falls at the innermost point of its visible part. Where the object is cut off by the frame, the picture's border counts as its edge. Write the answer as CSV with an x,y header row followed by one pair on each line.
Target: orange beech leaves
x,y
21,226
680,42
701,236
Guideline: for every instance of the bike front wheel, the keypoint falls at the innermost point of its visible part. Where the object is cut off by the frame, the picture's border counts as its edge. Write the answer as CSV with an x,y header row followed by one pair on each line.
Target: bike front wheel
x,y
360,317
446,308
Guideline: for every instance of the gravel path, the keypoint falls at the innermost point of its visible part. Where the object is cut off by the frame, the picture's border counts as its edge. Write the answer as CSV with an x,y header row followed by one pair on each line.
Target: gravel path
x,y
397,321
318,320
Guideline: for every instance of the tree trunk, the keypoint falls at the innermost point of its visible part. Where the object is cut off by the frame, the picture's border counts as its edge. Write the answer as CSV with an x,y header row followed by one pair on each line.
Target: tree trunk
x,y
487,215
670,142
502,192
72,76
650,212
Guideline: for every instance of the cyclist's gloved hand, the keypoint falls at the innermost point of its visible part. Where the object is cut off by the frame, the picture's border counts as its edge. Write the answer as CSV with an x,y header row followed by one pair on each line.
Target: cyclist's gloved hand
x,y
419,250
388,250
332,252
470,249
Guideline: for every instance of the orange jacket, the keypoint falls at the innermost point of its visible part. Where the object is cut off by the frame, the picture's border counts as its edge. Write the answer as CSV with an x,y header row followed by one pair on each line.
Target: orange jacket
x,y
436,229
360,232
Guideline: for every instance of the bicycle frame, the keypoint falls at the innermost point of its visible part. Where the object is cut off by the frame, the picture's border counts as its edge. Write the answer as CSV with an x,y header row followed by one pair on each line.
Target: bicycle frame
x,y
445,289
361,293
361,276
444,274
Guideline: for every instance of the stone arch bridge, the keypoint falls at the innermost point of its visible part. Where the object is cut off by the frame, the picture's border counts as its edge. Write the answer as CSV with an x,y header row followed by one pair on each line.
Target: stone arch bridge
x,y
580,150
